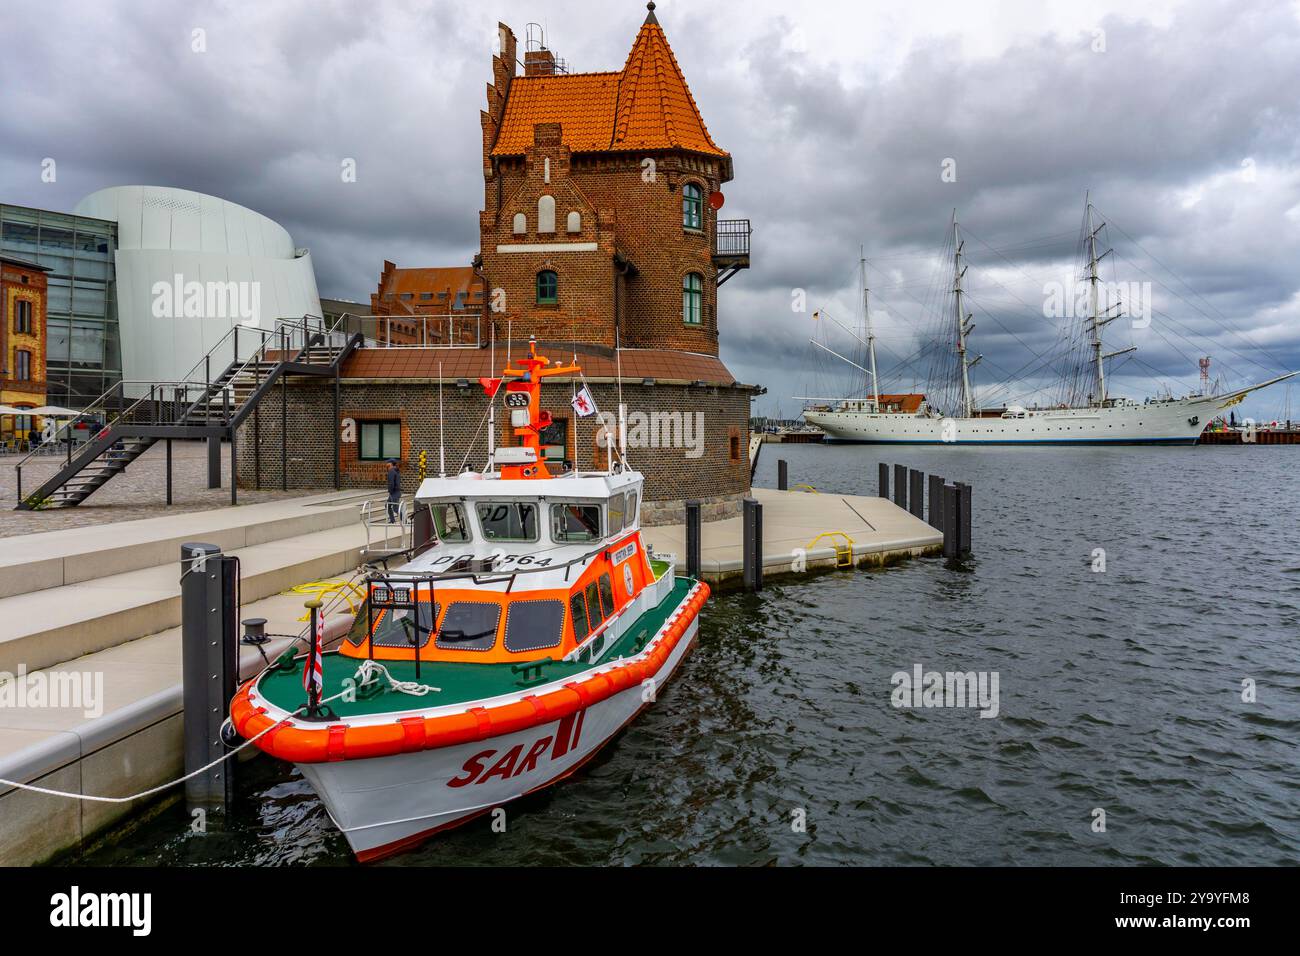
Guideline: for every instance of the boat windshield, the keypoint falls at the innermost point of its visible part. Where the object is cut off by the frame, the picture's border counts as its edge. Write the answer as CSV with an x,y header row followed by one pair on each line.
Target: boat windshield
x,y
575,522
449,521
508,520
399,627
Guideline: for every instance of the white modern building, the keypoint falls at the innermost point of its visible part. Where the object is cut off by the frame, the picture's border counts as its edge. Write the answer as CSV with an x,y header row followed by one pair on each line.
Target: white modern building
x,y
189,267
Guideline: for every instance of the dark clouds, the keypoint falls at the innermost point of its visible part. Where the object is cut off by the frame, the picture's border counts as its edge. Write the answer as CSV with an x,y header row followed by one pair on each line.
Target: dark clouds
x,y
833,147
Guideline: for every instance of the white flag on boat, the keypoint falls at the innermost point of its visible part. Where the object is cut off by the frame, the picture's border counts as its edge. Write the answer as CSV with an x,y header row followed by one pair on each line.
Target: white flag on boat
x,y
582,403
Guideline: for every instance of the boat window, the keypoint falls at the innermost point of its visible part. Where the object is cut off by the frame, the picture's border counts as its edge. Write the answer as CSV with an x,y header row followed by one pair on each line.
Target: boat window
x,y
508,520
606,595
593,605
532,625
578,610
449,522
469,626
396,627
629,510
575,522
616,514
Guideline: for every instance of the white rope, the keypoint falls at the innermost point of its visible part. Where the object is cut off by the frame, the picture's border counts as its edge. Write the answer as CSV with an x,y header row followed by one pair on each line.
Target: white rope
x,y
362,675
370,671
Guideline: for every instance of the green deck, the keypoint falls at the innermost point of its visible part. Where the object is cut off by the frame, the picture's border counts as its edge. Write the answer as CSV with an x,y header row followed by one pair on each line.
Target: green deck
x,y
460,683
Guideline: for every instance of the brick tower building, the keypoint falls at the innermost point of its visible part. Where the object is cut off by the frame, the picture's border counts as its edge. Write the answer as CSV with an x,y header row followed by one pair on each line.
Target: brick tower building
x,y
597,218
600,236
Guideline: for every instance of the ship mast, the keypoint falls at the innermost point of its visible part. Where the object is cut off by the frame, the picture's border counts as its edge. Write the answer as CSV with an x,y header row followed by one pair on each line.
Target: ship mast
x,y
871,336
1094,320
963,329
1097,321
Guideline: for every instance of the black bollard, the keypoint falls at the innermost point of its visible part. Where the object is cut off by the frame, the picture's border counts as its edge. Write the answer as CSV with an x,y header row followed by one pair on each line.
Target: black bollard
x,y
936,502
209,668
964,518
916,493
951,525
900,486
693,539
782,475
884,481
752,544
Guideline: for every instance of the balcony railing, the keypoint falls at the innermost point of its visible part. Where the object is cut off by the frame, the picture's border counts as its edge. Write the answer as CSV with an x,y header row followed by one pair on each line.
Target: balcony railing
x,y
416,331
731,238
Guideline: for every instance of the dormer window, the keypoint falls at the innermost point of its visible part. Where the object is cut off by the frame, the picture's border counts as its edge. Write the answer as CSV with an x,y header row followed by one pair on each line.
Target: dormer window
x,y
692,207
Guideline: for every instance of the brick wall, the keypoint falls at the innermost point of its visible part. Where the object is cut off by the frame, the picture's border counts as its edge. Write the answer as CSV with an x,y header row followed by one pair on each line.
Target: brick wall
x,y
632,213
669,424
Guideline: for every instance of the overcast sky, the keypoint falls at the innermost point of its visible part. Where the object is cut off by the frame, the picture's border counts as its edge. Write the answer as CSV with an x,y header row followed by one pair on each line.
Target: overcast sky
x,y
1180,117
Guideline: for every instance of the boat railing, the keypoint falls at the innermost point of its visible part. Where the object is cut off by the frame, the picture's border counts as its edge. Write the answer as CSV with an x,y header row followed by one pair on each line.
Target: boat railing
x,y
384,535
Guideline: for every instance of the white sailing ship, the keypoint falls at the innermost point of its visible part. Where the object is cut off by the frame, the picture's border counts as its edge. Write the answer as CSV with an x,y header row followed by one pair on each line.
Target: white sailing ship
x,y
1103,418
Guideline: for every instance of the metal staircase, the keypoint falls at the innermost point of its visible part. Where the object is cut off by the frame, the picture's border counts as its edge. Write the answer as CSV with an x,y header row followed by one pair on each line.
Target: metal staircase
x,y
211,408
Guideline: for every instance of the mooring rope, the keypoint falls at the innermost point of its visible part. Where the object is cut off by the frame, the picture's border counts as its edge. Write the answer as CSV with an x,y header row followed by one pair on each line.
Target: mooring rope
x,y
206,767
371,670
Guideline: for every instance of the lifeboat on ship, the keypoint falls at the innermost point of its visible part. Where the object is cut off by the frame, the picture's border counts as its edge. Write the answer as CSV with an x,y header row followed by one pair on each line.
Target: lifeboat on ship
x,y
520,640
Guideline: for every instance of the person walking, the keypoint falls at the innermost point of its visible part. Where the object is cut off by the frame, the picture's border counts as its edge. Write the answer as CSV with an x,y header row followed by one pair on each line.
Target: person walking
x,y
394,489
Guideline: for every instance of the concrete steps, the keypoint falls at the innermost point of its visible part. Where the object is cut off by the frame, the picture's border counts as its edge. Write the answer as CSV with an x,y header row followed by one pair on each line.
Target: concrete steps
x,y
86,590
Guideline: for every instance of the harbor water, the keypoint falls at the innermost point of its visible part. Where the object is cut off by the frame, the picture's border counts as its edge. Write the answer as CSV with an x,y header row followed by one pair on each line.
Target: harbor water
x,y
1120,694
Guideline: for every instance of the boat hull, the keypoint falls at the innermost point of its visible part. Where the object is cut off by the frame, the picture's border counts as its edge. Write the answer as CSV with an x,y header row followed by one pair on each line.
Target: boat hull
x,y
384,805
1178,422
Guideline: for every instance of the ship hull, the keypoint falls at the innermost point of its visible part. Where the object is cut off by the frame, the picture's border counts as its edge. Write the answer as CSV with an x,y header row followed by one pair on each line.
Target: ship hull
x,y
384,805
1161,423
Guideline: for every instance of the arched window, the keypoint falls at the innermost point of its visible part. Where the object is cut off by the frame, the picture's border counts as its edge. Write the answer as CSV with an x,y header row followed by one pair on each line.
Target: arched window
x,y
520,224
547,288
693,298
546,214
575,221
692,207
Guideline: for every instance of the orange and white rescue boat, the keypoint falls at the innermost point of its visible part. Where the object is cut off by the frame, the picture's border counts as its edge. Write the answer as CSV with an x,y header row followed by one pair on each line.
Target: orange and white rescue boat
x,y
494,663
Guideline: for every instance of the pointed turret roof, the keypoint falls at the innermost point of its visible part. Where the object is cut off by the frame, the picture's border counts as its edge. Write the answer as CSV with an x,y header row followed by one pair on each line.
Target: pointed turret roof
x,y
646,106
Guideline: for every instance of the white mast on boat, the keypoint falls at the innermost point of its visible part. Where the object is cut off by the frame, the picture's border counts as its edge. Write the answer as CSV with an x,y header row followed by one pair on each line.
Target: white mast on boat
x,y
963,330
1095,320
866,318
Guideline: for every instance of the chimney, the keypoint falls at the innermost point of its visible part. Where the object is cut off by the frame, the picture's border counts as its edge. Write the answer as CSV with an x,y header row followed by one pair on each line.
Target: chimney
x,y
539,63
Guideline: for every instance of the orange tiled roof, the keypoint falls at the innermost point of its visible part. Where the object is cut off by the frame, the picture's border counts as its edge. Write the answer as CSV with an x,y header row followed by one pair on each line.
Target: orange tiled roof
x,y
452,280
646,105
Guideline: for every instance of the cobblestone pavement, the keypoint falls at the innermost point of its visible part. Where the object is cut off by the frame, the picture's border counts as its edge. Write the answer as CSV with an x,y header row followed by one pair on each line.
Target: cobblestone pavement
x,y
139,492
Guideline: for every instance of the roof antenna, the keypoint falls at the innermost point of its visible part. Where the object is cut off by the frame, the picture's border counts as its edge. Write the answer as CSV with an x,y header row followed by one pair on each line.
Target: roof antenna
x,y
442,446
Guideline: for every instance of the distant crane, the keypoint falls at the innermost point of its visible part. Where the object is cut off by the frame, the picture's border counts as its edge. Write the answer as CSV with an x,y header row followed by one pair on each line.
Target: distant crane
x,y
1205,375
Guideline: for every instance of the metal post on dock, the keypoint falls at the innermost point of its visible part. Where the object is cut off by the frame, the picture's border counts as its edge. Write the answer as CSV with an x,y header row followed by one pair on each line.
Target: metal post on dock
x,y
900,486
209,668
956,520
752,544
936,502
964,517
169,470
884,481
782,475
916,493
693,539
214,461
